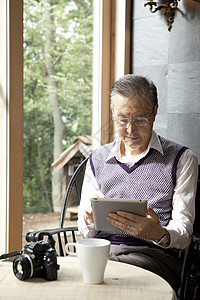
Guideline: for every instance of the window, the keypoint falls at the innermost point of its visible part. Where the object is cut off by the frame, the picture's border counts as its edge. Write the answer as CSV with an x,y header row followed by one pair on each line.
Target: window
x,y
11,124
11,100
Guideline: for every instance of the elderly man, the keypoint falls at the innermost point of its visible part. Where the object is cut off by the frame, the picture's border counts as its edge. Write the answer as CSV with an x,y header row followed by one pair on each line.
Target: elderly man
x,y
142,165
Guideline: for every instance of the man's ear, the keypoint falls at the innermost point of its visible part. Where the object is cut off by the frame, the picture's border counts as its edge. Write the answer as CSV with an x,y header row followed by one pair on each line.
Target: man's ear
x,y
155,110
112,111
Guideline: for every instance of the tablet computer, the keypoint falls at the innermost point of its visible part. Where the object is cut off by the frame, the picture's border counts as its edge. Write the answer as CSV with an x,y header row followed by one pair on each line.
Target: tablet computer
x,y
101,207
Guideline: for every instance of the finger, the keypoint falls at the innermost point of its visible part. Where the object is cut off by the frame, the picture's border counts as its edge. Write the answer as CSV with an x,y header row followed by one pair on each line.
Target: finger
x,y
117,223
130,216
99,194
88,211
112,216
88,214
116,217
120,222
152,213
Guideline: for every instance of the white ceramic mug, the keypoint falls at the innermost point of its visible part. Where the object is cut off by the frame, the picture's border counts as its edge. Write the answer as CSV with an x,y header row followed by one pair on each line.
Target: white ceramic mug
x,y
93,256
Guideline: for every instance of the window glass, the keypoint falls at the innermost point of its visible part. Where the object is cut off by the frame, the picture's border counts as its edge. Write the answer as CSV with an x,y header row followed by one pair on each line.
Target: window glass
x,y
58,50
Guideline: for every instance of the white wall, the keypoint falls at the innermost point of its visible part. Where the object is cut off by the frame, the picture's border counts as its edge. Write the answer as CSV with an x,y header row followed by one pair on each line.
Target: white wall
x,y
172,61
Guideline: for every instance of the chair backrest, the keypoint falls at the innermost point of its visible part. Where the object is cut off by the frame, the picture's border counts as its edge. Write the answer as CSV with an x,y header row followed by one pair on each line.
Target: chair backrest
x,y
190,285
75,184
196,228
58,237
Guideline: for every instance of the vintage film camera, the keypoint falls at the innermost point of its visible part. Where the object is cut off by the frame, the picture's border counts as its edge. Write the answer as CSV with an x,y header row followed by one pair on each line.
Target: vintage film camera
x,y
38,260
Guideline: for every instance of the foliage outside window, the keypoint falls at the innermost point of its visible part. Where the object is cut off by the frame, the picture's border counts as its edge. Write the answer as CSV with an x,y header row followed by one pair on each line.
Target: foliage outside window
x,y
58,45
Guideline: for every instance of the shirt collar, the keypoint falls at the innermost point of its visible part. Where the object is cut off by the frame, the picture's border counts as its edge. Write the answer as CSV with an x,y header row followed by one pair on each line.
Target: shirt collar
x,y
154,143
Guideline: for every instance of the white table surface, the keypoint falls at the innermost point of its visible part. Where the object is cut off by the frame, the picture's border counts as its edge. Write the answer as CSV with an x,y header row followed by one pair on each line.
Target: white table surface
x,y
121,281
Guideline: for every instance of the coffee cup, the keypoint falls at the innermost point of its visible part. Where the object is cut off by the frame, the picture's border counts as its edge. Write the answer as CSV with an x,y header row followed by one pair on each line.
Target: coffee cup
x,y
93,256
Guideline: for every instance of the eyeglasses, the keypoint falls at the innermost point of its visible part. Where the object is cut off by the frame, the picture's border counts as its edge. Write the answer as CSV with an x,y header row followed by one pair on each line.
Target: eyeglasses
x,y
139,121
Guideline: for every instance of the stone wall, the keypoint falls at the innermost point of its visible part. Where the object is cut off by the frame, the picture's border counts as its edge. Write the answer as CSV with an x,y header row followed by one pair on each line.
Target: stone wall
x,y
172,61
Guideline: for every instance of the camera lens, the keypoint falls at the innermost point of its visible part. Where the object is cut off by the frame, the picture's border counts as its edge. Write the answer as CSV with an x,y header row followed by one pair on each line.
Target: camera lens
x,y
23,267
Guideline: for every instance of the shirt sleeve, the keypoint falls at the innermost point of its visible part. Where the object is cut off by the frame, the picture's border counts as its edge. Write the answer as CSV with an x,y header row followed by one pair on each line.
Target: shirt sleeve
x,y
89,189
180,226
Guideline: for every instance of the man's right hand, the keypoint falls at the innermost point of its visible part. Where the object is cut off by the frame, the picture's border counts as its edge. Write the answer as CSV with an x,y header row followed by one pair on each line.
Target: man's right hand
x,y
88,218
88,215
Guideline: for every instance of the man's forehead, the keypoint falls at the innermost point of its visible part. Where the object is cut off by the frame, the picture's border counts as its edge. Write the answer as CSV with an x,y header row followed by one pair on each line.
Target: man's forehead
x,y
135,103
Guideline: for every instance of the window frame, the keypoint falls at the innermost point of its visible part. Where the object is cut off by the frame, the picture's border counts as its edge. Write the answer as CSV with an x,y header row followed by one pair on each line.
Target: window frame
x,y
11,154
3,127
111,59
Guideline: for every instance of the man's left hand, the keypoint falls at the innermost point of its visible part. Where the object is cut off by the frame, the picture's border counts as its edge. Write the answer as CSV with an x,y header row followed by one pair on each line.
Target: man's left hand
x,y
142,227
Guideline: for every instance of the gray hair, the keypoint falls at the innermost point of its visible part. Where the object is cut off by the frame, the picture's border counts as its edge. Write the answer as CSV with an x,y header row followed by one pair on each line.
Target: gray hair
x,y
130,86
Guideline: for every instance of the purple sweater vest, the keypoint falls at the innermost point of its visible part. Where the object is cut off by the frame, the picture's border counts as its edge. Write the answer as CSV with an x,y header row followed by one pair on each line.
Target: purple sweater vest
x,y
152,178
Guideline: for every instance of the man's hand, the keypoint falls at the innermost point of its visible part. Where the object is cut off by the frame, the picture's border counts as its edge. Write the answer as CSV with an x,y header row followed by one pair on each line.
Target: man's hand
x,y
88,214
142,227
88,218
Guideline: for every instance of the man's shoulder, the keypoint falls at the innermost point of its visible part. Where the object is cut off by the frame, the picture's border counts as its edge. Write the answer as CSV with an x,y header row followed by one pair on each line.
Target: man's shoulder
x,y
105,147
184,151
167,142
103,150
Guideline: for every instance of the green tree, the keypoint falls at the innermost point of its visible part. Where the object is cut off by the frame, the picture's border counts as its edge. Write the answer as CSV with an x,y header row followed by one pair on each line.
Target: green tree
x,y
58,89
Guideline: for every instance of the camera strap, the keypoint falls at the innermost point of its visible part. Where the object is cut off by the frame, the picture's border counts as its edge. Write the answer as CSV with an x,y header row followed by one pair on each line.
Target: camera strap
x,y
11,254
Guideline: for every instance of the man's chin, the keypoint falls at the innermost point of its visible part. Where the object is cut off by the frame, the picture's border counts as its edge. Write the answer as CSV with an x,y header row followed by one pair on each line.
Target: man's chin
x,y
132,144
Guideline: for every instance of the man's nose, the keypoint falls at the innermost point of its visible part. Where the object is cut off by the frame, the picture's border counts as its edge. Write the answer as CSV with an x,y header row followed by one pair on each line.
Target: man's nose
x,y
131,127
